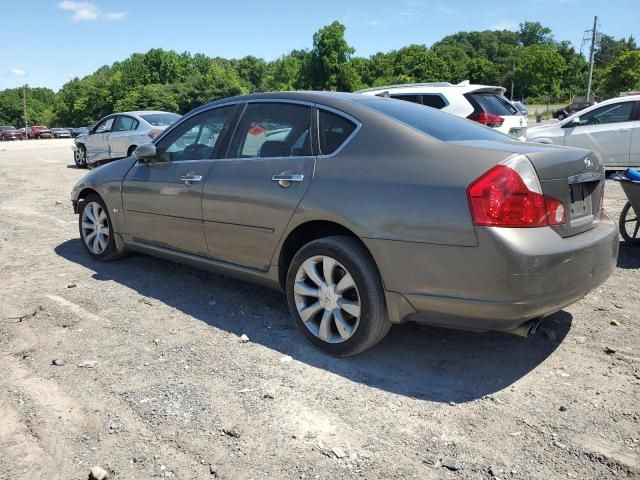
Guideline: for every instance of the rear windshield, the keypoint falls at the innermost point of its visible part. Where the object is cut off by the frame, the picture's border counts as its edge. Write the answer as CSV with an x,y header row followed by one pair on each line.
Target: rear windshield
x,y
437,124
496,104
161,119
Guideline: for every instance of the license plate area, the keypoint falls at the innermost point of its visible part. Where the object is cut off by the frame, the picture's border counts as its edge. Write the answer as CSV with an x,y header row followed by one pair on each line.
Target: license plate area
x,y
581,203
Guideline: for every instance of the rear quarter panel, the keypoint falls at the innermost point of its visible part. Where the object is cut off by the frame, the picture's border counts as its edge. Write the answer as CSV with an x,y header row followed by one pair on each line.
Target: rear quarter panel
x,y
395,183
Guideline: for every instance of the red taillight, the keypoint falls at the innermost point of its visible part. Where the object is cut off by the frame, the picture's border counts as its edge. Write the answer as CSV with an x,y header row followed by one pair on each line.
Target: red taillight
x,y
503,198
488,119
154,133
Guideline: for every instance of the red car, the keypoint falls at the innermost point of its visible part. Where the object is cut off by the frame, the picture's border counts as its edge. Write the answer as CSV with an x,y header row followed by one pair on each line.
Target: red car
x,y
8,132
37,131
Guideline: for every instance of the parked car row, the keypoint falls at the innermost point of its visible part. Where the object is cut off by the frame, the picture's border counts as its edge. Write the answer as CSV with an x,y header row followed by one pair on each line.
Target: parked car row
x,y
365,211
9,132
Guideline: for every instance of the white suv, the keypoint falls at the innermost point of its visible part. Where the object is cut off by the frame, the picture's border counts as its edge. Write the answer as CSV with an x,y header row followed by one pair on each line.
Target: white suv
x,y
481,103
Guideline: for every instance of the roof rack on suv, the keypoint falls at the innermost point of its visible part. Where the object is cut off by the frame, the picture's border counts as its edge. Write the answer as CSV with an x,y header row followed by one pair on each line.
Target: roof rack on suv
x,y
405,85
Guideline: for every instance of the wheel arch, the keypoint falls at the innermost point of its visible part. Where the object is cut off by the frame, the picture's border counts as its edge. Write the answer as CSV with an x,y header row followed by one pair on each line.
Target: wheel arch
x,y
307,232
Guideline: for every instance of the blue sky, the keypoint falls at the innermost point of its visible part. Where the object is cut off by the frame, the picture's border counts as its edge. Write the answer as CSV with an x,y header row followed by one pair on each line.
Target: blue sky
x,y
47,42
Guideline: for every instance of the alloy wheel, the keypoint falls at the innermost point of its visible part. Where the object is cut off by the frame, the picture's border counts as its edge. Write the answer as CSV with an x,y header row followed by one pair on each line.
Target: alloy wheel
x,y
327,299
95,228
80,156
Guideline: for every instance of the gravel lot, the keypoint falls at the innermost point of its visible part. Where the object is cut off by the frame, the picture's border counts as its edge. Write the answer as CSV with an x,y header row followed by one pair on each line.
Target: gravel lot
x,y
137,366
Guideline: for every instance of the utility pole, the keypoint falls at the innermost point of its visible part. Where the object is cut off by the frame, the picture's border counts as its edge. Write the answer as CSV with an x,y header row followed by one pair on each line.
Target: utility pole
x,y
513,73
592,56
24,106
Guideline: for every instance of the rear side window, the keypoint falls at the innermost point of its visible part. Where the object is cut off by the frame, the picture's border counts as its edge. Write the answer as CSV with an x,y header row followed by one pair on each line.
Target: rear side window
x,y
433,101
492,103
124,124
334,131
407,98
161,119
437,124
270,130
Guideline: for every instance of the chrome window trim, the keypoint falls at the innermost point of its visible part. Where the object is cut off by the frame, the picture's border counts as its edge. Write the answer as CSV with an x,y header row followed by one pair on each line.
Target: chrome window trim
x,y
342,114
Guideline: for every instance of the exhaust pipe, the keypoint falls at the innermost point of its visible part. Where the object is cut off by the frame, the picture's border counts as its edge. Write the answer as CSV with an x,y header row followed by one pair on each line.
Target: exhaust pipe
x,y
528,328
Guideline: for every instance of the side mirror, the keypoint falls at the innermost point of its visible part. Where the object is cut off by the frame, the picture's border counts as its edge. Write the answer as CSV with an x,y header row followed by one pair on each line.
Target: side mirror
x,y
145,153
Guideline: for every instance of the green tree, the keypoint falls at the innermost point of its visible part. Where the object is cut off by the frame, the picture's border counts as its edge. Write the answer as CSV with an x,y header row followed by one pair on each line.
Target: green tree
x,y
624,73
534,33
328,66
539,71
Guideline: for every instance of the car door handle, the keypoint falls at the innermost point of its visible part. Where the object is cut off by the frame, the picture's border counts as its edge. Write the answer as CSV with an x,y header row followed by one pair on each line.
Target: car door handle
x,y
285,179
191,179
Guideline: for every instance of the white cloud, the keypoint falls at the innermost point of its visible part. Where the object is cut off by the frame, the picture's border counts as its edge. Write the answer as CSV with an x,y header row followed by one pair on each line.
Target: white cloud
x,y
18,72
88,12
114,16
504,25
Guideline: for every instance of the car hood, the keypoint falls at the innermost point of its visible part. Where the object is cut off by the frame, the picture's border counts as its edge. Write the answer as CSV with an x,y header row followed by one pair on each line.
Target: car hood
x,y
546,128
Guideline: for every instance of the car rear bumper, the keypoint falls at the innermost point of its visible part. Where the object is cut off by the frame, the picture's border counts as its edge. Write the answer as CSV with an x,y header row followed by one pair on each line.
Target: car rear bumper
x,y
512,276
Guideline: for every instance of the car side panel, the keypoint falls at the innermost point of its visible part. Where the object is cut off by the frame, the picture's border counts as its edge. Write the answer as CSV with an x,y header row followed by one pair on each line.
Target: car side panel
x,y
410,187
634,147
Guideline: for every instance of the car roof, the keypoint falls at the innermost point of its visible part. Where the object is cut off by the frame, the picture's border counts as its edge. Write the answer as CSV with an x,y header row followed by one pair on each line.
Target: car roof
x,y
623,98
141,112
329,99
434,87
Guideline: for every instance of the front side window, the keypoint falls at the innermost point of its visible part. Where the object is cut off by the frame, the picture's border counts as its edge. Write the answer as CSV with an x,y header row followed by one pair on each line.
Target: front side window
x,y
124,124
334,131
615,113
272,130
105,126
195,139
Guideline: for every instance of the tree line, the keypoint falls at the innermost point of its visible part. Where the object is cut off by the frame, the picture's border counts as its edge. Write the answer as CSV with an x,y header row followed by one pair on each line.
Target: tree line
x,y
540,67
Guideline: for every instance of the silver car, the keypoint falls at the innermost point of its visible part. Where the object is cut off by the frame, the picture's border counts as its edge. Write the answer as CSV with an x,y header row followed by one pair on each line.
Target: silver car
x,y
117,136
366,211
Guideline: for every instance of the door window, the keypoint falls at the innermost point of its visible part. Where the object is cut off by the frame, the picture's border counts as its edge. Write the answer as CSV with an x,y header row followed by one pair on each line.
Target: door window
x,y
104,126
197,138
433,101
334,131
615,113
272,130
124,124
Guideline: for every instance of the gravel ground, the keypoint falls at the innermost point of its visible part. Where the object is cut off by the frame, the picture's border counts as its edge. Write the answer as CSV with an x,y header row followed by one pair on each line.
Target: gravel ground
x,y
137,366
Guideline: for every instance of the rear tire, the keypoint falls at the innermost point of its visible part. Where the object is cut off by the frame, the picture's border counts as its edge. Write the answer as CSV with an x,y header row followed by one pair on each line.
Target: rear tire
x,y
631,236
342,300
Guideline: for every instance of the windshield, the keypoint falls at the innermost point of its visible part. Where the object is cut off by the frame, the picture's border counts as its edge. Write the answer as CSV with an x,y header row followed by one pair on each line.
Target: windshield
x,y
161,119
437,124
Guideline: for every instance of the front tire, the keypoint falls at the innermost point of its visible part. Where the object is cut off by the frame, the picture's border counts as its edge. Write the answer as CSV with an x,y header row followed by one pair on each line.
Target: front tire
x,y
335,294
96,231
80,157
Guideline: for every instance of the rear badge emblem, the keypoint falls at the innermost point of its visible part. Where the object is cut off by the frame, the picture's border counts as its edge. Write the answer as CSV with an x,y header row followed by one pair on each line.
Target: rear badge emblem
x,y
588,163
